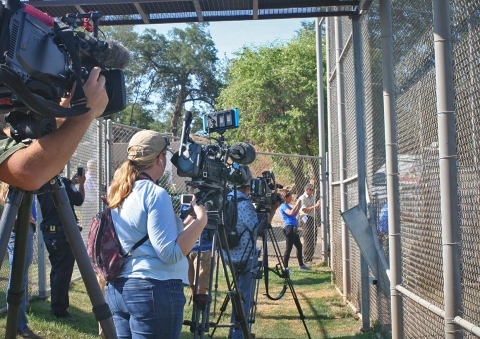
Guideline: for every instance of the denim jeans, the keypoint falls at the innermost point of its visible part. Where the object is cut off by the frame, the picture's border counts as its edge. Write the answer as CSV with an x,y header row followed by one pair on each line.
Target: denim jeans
x,y
146,308
62,261
22,316
246,284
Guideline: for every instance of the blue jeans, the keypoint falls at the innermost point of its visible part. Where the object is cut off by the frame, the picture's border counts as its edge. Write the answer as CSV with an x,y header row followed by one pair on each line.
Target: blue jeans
x,y
246,284
62,261
146,308
22,316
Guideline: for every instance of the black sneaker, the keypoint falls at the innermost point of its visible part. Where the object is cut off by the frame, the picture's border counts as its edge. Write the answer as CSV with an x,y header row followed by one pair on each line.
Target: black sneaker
x,y
64,315
29,334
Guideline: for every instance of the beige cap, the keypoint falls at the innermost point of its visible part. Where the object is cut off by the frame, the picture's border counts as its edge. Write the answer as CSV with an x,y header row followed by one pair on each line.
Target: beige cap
x,y
146,143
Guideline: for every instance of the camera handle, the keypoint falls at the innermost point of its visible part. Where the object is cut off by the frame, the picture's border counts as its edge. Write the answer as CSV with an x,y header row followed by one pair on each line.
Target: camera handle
x,y
19,201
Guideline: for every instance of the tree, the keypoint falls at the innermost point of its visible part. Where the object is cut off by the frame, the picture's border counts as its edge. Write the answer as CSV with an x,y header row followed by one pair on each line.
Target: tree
x,y
275,90
179,69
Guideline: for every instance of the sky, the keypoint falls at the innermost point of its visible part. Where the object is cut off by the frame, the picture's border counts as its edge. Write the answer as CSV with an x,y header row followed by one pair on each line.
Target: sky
x,y
232,35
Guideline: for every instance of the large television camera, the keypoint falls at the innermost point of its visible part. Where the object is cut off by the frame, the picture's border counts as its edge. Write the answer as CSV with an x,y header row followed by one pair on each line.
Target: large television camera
x,y
264,190
41,60
211,167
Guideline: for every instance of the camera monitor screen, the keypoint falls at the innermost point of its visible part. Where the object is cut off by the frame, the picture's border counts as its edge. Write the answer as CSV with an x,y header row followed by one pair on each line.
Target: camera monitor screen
x,y
220,121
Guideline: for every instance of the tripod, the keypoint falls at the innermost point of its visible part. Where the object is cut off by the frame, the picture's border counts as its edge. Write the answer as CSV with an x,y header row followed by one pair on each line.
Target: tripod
x,y
201,302
279,269
19,203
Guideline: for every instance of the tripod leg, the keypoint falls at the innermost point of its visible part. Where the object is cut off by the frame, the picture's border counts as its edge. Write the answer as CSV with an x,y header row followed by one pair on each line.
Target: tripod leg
x,y
16,293
8,219
286,276
100,307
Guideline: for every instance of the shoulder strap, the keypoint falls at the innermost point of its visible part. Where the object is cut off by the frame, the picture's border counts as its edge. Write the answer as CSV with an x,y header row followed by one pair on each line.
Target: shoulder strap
x,y
138,243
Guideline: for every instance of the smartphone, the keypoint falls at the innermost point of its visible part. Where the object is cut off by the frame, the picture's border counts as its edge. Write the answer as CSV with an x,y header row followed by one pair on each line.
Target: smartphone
x,y
185,199
80,171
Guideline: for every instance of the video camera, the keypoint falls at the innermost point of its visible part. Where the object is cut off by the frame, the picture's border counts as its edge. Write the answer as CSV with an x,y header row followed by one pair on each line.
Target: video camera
x,y
212,166
263,190
42,59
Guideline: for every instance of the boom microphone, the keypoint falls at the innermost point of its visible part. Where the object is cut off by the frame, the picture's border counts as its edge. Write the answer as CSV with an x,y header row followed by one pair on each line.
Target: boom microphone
x,y
110,53
187,120
115,55
242,153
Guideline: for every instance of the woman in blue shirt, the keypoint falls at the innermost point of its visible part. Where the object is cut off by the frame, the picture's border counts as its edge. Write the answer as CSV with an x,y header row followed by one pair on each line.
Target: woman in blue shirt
x,y
289,215
147,298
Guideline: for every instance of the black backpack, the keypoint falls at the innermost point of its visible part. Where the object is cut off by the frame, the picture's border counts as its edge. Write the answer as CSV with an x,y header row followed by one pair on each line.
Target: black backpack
x,y
230,216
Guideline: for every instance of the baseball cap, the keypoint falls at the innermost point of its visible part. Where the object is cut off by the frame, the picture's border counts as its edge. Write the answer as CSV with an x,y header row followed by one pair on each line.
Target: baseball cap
x,y
146,143
247,177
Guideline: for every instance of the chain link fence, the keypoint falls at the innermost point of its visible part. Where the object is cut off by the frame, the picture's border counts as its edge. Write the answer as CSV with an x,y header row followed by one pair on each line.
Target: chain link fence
x,y
418,161
103,149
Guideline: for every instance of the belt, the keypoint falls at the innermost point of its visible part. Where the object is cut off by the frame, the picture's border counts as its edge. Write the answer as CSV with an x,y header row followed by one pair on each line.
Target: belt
x,y
290,226
31,224
52,228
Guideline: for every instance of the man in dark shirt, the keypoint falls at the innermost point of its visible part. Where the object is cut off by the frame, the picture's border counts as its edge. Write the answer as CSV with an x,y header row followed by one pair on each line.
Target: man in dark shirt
x,y
59,251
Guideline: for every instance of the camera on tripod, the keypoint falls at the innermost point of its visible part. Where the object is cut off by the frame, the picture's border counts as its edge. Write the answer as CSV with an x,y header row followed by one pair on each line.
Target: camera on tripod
x,y
41,60
264,190
212,166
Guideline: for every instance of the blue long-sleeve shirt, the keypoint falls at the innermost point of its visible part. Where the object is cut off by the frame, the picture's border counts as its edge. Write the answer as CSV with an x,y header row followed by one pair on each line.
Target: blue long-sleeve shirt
x,y
148,209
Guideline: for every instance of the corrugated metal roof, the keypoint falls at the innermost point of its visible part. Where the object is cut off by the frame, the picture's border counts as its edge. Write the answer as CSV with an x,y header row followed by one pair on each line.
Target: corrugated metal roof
x,y
127,12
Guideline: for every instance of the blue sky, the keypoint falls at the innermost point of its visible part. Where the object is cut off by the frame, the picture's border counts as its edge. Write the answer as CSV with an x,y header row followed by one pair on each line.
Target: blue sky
x,y
232,35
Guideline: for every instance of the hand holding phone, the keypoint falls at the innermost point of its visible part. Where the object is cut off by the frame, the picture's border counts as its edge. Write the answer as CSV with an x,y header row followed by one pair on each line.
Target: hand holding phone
x,y
80,171
186,199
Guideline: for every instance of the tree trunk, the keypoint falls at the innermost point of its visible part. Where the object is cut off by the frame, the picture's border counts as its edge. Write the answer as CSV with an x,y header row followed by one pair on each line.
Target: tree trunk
x,y
182,95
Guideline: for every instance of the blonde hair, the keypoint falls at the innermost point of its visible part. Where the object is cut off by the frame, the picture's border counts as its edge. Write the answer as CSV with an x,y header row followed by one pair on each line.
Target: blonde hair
x,y
3,193
125,176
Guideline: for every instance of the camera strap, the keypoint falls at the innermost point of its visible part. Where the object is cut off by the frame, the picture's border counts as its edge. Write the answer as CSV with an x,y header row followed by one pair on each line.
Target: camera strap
x,y
78,98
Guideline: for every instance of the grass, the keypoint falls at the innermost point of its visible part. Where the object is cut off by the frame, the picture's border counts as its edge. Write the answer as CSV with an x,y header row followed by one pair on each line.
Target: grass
x,y
326,315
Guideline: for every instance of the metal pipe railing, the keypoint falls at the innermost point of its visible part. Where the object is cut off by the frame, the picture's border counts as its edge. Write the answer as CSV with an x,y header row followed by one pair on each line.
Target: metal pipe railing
x,y
452,289
391,154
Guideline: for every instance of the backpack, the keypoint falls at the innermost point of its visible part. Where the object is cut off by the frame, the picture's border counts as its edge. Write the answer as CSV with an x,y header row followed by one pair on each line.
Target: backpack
x,y
230,216
104,248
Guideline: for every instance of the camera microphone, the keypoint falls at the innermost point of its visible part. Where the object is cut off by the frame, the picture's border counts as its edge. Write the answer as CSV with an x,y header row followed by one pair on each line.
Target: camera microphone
x,y
187,120
115,55
242,153
111,53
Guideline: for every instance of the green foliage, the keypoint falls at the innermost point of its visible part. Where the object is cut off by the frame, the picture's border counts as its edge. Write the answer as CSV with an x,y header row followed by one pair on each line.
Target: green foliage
x,y
166,72
275,88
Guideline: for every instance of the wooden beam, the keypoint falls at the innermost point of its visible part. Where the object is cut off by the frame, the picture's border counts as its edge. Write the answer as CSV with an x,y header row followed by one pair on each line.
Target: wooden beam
x,y
53,3
142,13
255,9
198,9
79,9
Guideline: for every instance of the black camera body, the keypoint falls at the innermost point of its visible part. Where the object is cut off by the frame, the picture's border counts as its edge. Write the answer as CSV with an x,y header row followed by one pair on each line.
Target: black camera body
x,y
41,60
210,168
263,190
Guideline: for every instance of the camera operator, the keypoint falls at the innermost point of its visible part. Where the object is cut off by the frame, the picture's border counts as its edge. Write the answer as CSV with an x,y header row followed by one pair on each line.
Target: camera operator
x,y
31,167
147,297
245,255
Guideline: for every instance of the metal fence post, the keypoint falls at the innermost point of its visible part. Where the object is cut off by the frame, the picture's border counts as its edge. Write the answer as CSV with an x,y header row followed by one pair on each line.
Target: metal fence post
x,y
100,129
452,289
361,169
391,150
329,129
108,153
342,142
321,139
